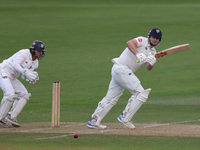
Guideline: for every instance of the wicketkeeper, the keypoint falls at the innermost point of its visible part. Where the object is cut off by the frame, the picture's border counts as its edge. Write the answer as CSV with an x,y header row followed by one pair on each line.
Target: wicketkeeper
x,y
24,63
140,49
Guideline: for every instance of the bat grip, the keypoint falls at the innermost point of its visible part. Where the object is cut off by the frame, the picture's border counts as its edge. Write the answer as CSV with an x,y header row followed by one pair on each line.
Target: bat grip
x,y
137,61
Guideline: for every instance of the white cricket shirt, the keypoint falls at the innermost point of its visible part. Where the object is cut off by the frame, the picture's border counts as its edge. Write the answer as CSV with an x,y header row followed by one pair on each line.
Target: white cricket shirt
x,y
14,66
127,57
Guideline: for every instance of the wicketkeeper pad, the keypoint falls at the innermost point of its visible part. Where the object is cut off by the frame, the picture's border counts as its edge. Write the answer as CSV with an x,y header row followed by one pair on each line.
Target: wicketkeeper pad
x,y
5,107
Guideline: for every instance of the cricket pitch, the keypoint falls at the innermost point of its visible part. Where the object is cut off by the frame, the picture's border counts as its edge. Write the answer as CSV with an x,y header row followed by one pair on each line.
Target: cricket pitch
x,y
186,130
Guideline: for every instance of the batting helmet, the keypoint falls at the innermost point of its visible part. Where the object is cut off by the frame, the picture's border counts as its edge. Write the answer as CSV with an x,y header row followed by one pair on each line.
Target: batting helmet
x,y
155,32
37,45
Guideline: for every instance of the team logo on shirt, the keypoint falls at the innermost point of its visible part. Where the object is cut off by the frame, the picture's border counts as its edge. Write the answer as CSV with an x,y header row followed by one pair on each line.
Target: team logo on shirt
x,y
26,62
140,39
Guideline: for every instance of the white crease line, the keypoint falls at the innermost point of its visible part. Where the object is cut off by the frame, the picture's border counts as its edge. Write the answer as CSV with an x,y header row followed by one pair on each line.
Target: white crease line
x,y
34,130
54,137
156,125
80,124
71,125
106,131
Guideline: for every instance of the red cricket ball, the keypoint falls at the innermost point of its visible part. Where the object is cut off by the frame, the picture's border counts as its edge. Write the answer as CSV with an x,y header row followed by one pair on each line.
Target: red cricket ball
x,y
75,135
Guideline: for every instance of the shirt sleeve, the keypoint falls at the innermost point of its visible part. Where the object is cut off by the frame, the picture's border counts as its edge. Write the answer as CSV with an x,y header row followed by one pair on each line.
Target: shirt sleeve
x,y
17,61
140,41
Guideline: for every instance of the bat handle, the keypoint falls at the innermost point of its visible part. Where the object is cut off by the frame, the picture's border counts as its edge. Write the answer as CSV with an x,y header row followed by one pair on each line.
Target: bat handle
x,y
137,61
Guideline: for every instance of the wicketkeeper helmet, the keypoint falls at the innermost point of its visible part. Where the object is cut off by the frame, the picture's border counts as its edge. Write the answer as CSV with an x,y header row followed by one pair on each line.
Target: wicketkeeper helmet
x,y
37,45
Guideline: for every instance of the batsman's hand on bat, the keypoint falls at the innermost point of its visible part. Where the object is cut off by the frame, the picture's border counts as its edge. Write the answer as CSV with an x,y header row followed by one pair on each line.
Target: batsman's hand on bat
x,y
151,60
141,57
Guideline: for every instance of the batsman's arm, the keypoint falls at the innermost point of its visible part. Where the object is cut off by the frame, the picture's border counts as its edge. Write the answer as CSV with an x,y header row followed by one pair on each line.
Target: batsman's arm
x,y
132,46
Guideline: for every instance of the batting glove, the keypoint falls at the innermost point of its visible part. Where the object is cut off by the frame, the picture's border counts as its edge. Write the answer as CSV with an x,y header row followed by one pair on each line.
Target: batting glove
x,y
141,57
151,60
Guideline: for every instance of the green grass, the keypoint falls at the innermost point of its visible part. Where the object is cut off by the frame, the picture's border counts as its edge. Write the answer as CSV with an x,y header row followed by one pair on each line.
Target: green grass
x,y
81,38
65,141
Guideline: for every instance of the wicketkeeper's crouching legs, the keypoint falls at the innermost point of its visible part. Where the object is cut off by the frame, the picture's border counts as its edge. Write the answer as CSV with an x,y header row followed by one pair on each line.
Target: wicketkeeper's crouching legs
x,y
6,103
134,103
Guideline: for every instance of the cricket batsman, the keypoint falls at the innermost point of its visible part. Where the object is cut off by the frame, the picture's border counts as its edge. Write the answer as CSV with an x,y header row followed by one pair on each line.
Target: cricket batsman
x,y
139,51
24,63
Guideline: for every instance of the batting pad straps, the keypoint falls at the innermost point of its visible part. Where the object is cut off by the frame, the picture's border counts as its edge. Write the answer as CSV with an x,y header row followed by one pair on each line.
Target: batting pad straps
x,y
144,95
20,105
134,104
27,96
104,107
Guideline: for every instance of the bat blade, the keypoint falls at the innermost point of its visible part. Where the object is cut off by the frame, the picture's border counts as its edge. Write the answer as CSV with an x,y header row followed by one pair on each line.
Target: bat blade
x,y
172,50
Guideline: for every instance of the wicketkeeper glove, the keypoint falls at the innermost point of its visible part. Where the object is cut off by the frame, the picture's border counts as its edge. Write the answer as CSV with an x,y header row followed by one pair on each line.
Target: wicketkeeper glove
x,y
31,82
29,75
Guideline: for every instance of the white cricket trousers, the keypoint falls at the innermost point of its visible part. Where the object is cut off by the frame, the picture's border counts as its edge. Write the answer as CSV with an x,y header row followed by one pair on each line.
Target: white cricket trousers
x,y
123,78
11,87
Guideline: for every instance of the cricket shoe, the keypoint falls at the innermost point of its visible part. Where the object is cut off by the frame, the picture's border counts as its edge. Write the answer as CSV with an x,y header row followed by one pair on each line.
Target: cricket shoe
x,y
93,125
13,121
5,123
128,124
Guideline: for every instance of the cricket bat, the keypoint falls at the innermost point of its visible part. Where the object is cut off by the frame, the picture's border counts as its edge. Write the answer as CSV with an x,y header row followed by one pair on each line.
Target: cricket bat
x,y
172,50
